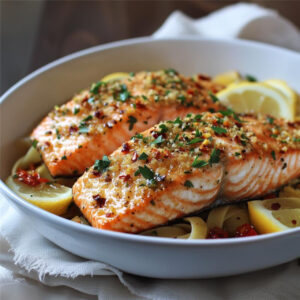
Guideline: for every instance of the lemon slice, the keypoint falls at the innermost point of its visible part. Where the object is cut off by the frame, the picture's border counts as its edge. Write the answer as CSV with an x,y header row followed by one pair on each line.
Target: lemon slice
x,y
115,76
54,197
282,87
227,78
259,98
274,215
30,158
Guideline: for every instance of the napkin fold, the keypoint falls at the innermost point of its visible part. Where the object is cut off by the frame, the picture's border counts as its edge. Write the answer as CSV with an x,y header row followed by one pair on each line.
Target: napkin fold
x,y
244,21
31,267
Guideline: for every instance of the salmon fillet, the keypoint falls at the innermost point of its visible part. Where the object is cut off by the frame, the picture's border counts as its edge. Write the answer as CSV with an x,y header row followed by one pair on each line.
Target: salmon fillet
x,y
97,121
180,167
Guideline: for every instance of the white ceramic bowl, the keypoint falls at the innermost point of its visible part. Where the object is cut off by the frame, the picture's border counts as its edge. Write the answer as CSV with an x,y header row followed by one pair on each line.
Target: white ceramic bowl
x,y
29,100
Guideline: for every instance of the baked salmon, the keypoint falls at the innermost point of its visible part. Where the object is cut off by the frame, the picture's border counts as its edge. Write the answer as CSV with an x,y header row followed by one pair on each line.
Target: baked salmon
x,y
180,167
97,121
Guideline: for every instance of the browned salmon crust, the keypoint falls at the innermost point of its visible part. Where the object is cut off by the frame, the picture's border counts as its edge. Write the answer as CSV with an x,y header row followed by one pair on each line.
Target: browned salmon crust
x,y
179,167
96,121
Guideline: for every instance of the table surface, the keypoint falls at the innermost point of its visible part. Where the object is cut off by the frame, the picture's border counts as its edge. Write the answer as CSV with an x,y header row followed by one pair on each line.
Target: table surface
x,y
47,30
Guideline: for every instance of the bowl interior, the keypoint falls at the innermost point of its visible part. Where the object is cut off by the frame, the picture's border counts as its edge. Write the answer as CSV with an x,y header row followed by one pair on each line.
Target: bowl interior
x,y
23,106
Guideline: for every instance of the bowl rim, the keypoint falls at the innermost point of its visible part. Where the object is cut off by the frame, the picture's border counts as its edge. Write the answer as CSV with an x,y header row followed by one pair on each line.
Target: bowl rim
x,y
128,237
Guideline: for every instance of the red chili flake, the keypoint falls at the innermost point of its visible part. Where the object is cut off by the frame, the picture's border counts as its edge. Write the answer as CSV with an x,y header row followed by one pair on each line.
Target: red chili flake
x,y
107,178
98,114
190,92
85,99
238,124
140,105
134,157
47,144
294,222
155,134
275,206
109,215
203,77
237,139
125,177
125,148
245,230
99,200
217,233
270,196
30,178
199,85
73,129
96,173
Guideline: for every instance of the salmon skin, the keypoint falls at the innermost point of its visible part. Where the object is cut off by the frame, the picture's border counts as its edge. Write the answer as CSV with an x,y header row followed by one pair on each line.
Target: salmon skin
x,y
180,167
97,121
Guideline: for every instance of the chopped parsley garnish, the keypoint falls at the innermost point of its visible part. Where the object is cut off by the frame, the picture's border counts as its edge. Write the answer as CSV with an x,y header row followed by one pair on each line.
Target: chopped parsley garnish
x,y
214,157
171,72
197,118
198,163
270,120
274,136
188,184
220,121
158,140
57,134
182,98
88,118
230,112
163,128
102,165
195,141
237,153
143,156
131,74
144,97
273,154
123,96
297,140
95,87
131,120
146,172
34,143
167,92
76,110
83,128
178,121
213,97
198,133
219,130
64,157
250,78
156,98
176,137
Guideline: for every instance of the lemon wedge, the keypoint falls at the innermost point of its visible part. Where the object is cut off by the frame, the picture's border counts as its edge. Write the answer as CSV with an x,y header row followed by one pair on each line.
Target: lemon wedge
x,y
274,215
282,87
115,76
259,98
54,197
227,78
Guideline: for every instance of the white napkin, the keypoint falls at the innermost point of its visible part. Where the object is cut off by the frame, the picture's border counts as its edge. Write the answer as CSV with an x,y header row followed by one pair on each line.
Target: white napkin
x,y
244,21
34,268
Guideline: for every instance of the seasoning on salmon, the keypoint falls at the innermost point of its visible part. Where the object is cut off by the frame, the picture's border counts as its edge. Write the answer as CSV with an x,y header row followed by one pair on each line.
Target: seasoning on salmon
x,y
97,121
186,165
